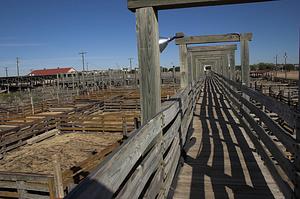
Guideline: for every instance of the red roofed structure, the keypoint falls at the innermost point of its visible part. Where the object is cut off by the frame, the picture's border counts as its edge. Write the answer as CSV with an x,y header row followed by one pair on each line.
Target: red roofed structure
x,y
52,71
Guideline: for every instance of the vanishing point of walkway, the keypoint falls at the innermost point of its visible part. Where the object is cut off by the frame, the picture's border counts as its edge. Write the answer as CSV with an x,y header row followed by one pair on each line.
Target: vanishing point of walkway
x,y
221,161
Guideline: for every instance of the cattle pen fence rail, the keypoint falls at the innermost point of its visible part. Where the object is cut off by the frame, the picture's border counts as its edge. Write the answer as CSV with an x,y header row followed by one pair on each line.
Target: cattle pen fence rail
x,y
145,164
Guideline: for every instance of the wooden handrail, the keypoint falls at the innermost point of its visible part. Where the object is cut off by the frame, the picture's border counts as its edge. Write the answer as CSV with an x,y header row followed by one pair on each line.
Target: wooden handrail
x,y
126,173
286,181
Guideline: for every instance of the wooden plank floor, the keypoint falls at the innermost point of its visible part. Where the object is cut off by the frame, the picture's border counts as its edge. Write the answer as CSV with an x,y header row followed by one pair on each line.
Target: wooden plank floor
x,y
221,161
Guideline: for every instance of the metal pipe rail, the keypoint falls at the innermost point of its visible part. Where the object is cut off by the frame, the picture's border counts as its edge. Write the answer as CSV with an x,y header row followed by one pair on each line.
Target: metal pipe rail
x,y
270,139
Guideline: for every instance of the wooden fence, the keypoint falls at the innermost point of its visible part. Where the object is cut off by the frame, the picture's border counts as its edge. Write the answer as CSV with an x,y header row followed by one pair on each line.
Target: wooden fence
x,y
276,146
43,186
145,164
18,136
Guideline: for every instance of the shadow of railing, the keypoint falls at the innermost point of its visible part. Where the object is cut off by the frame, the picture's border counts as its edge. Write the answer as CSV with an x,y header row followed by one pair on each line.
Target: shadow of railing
x,y
225,165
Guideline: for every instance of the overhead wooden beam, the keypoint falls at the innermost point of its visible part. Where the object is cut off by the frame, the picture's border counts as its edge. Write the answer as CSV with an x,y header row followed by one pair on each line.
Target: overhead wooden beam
x,y
196,57
210,53
212,48
172,4
231,37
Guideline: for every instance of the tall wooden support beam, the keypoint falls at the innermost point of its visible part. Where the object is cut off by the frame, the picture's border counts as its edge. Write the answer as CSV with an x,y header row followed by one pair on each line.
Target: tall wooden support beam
x,y
184,69
297,158
232,66
198,66
172,4
245,59
227,69
148,55
190,68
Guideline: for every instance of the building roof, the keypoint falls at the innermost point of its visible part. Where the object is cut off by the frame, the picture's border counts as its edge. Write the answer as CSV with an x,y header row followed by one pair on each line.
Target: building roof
x,y
52,71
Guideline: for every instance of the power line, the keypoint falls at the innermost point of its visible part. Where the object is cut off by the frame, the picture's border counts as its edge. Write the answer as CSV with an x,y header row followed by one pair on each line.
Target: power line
x,y
82,58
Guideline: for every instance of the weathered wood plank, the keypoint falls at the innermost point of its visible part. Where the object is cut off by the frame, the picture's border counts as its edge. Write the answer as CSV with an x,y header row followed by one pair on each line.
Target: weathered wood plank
x,y
9,176
184,72
212,48
231,37
111,173
172,4
155,185
149,55
135,184
43,136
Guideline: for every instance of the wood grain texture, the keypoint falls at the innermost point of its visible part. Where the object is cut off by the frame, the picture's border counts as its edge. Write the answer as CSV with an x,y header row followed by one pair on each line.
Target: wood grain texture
x,y
245,60
184,72
231,37
212,48
148,57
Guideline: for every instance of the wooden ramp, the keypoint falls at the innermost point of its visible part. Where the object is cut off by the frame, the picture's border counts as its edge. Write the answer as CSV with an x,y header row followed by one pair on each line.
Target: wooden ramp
x,y
221,161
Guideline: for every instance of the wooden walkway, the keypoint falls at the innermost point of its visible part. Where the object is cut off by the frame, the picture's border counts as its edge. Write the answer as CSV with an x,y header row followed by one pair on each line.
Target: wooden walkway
x,y
221,161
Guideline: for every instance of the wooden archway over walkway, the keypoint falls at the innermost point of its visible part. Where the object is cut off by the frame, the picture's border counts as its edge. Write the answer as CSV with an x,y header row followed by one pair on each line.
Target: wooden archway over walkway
x,y
227,51
148,47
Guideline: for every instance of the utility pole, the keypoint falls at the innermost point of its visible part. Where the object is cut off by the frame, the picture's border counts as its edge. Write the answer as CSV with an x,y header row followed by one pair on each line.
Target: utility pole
x,y
130,63
82,58
285,69
276,65
18,72
6,71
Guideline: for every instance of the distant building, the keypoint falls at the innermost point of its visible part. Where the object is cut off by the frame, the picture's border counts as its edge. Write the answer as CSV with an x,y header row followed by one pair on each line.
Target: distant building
x,y
52,71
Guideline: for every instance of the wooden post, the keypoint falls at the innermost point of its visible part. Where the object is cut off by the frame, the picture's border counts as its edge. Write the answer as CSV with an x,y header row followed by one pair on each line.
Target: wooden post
x,y
149,63
57,91
73,82
32,105
184,72
59,189
21,189
174,79
245,60
232,66
192,68
297,156
229,74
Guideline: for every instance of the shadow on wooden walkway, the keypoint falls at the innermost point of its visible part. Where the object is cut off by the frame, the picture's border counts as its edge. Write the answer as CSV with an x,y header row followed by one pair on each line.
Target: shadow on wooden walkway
x,y
221,161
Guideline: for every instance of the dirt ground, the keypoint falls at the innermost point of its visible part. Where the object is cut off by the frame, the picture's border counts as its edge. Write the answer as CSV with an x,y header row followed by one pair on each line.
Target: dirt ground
x,y
72,148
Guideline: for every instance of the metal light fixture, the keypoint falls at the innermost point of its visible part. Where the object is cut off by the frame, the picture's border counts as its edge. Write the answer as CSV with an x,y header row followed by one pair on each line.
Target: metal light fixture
x,y
164,41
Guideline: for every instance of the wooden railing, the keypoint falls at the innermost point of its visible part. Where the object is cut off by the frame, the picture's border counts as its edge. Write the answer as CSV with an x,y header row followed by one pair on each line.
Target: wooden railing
x,y
18,136
23,185
278,148
44,186
145,164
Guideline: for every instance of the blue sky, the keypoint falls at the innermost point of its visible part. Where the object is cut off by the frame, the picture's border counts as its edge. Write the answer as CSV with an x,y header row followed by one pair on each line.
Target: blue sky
x,y
52,33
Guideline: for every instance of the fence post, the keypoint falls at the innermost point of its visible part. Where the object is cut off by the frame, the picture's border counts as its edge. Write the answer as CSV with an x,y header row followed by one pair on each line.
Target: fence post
x,y
59,189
